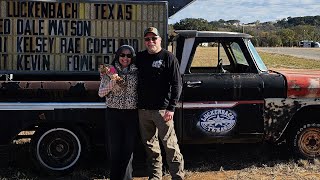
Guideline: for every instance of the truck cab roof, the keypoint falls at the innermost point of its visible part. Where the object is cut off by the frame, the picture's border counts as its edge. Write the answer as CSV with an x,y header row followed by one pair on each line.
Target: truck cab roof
x,y
211,50
195,33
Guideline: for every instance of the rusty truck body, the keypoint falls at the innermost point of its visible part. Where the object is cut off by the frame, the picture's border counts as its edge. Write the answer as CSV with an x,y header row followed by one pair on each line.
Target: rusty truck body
x,y
50,52
49,57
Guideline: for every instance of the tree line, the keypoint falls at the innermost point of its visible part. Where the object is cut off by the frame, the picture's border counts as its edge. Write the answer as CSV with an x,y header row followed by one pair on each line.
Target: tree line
x,y
285,32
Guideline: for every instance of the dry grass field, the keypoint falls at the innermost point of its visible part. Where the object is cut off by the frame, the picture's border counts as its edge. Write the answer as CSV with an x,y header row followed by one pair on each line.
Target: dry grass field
x,y
210,162
202,162
272,57
307,53
275,60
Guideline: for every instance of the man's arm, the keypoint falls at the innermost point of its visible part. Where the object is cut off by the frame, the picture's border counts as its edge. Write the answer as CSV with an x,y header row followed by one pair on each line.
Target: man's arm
x,y
175,82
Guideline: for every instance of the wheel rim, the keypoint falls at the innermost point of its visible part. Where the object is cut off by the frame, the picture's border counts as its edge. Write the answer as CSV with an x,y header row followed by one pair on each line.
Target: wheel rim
x,y
58,149
309,142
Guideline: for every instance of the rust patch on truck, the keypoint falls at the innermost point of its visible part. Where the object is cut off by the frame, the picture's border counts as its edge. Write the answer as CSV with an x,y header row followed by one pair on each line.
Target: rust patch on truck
x,y
49,91
279,112
59,85
62,85
302,82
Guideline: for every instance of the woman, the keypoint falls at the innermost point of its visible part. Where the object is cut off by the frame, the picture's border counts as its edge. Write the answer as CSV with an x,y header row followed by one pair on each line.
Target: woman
x,y
118,85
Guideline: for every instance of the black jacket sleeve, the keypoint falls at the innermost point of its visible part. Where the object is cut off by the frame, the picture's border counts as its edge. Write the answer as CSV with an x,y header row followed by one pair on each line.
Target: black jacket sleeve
x,y
175,82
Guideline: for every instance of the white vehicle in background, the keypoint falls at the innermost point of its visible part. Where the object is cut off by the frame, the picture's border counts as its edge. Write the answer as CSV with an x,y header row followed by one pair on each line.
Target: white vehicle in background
x,y
306,44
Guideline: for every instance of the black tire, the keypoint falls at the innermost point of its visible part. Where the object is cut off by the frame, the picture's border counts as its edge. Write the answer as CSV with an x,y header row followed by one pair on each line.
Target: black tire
x,y
306,141
56,151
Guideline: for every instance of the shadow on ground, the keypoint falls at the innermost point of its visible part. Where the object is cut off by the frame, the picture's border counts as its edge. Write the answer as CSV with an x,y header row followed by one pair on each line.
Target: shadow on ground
x,y
198,158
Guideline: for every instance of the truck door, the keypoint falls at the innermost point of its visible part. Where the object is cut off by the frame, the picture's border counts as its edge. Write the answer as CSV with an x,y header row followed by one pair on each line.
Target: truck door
x,y
222,95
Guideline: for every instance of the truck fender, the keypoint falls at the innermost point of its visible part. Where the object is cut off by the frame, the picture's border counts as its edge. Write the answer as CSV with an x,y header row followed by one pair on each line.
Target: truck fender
x,y
280,114
304,115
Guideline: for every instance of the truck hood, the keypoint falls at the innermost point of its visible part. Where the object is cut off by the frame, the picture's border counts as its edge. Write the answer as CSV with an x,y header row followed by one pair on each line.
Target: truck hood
x,y
302,82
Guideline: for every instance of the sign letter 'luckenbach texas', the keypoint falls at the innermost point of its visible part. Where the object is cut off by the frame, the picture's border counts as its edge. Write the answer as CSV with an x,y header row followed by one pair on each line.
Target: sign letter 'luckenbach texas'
x,y
64,36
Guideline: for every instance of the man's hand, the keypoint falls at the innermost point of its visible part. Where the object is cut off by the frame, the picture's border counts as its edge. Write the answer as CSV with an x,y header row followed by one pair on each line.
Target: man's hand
x,y
168,116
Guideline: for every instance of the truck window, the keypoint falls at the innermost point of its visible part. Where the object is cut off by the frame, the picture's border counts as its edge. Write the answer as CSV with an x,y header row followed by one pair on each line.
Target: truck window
x,y
219,57
238,54
206,58
256,57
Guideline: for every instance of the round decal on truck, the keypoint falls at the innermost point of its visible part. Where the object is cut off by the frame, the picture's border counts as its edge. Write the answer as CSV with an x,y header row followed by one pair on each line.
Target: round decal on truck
x,y
217,121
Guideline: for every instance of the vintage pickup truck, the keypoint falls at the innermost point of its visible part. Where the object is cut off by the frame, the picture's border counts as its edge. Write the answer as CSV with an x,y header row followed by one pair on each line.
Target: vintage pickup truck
x,y
229,96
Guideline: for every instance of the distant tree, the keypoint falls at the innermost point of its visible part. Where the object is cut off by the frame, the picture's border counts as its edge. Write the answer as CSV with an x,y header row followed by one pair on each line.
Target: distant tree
x,y
257,22
233,22
296,21
287,36
214,25
171,32
192,24
263,39
255,41
285,32
274,40
303,32
221,21
282,23
316,20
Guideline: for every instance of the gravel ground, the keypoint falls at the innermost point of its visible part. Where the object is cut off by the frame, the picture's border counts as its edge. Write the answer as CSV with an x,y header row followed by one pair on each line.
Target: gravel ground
x,y
308,53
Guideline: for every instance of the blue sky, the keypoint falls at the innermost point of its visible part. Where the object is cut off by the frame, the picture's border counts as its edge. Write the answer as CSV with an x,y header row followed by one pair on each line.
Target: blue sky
x,y
248,10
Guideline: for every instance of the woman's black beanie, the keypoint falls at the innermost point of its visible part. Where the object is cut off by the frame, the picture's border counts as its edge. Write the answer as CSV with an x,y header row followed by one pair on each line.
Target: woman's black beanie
x,y
126,47
116,58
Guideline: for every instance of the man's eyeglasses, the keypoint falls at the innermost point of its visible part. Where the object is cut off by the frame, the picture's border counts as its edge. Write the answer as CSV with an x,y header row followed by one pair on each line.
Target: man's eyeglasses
x,y
150,38
126,55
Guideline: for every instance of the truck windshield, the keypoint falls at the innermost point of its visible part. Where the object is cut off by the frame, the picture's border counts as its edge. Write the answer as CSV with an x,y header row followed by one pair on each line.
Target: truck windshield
x,y
256,57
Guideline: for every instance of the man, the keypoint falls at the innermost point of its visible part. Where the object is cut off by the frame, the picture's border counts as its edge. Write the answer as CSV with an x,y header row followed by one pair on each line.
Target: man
x,y
159,89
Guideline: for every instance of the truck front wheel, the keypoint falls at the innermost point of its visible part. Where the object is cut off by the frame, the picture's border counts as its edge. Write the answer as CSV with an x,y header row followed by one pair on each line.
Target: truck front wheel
x,y
56,151
306,141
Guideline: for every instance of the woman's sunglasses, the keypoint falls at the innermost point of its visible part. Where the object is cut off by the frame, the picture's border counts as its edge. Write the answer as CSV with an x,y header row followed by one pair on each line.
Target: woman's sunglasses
x,y
126,55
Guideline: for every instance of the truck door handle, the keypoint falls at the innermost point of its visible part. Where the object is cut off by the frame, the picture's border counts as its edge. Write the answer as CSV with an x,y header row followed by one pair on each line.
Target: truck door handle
x,y
194,84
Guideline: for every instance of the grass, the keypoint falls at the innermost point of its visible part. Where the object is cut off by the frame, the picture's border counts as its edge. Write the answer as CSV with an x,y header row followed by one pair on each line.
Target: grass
x,y
207,57
284,61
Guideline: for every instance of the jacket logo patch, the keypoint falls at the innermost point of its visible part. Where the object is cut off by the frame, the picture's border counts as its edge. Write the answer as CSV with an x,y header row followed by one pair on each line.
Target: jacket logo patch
x,y
157,64
217,121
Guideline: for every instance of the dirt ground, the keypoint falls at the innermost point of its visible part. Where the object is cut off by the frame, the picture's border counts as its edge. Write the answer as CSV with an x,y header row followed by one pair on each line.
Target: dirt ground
x,y
244,162
202,162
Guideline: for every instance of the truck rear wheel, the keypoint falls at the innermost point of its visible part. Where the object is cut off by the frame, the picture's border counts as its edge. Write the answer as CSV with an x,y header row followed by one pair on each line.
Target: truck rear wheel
x,y
306,141
56,151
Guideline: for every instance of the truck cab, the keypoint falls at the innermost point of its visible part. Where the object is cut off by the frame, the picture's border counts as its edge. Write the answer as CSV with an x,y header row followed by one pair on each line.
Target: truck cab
x,y
223,87
230,96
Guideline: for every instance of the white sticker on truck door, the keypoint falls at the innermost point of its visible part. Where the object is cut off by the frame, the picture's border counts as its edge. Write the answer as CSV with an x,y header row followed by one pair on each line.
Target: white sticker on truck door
x,y
217,121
